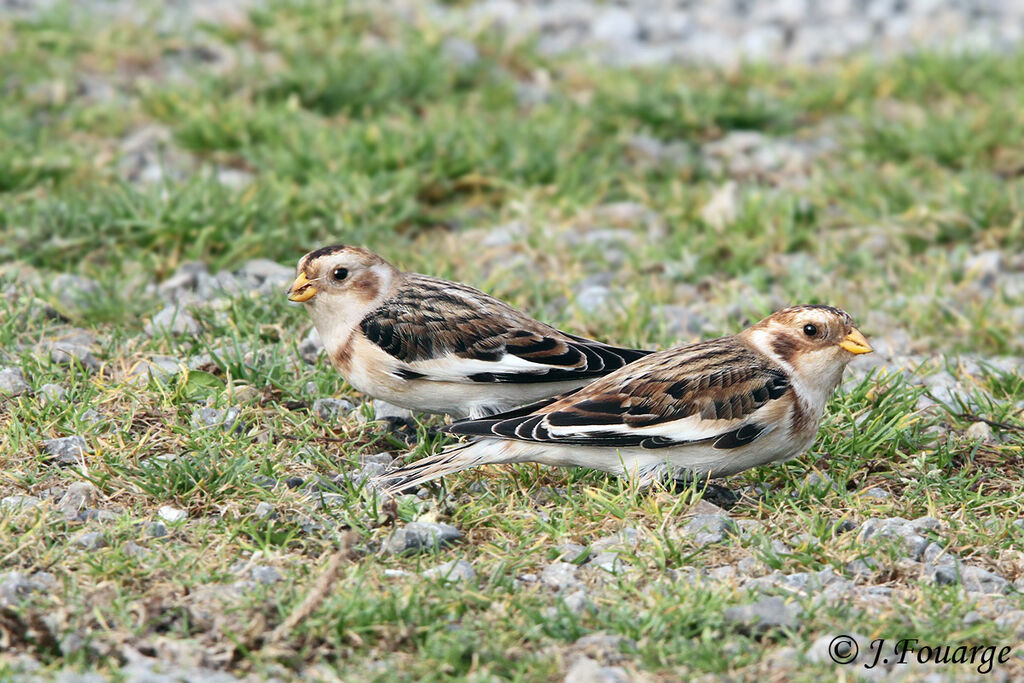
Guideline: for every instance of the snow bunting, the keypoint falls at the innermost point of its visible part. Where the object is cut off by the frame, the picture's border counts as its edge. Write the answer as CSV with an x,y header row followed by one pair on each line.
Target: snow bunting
x,y
435,346
708,409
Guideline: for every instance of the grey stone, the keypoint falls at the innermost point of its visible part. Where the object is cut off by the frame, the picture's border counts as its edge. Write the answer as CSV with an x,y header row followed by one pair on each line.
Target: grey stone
x,y
12,382
417,537
586,670
680,321
895,528
762,616
311,346
559,575
877,494
91,540
67,450
14,587
706,529
593,298
51,393
460,52
209,418
265,575
628,537
265,270
577,602
980,580
172,514
174,321
384,459
19,502
75,292
382,410
327,409
79,495
264,510
156,530
571,552
452,572
158,367
67,353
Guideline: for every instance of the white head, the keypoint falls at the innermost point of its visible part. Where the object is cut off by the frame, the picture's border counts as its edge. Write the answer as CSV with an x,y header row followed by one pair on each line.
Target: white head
x,y
340,284
815,342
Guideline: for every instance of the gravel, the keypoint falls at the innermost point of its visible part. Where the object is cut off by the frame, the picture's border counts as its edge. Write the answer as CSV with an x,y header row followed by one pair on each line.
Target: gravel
x,y
68,450
456,571
19,502
328,409
417,537
559,575
174,321
763,616
91,540
12,382
709,528
51,393
899,529
172,514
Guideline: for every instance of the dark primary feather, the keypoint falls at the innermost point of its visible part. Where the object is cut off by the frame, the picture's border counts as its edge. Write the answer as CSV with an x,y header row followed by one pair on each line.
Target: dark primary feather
x,y
720,381
433,318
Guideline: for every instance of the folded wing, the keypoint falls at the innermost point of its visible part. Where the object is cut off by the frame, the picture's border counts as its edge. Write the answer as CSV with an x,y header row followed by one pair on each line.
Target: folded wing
x,y
715,392
449,332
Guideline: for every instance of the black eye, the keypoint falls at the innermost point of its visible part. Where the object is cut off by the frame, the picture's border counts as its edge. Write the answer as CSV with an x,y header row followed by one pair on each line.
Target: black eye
x,y
340,274
810,330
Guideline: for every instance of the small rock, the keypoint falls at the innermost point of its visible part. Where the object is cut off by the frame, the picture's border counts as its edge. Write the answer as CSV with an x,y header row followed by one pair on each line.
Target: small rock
x,y
68,450
628,537
265,270
265,575
14,587
417,537
593,298
174,321
80,495
709,528
156,530
452,572
577,602
91,540
680,321
12,382
460,52
51,393
171,514
979,431
311,347
264,510
559,575
208,418
586,670
571,552
67,353
382,410
876,493
327,409
19,502
895,528
762,616
978,580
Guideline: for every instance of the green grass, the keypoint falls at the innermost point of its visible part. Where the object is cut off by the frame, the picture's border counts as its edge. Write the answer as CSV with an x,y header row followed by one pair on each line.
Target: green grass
x,y
357,128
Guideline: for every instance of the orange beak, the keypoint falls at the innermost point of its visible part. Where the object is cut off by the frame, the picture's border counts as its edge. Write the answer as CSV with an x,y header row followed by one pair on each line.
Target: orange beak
x,y
302,289
856,343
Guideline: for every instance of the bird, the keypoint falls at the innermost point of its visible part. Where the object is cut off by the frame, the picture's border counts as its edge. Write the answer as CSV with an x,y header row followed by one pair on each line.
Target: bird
x,y
434,346
705,410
